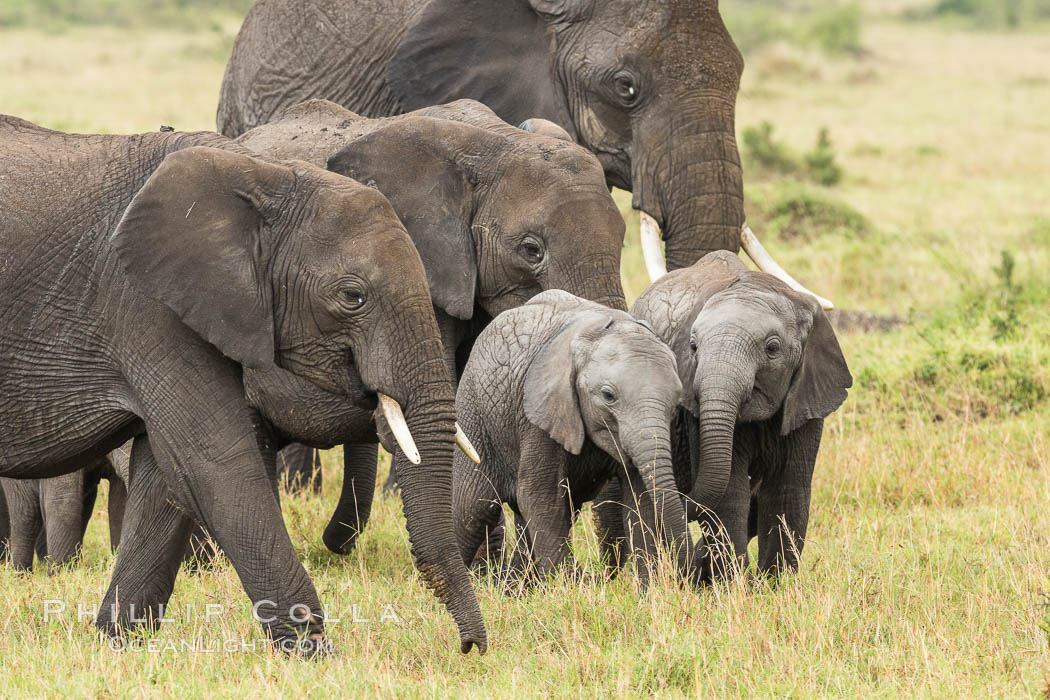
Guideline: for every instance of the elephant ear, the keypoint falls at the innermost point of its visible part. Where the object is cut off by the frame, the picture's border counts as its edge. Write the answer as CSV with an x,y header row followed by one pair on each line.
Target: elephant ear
x,y
191,239
411,163
498,52
544,127
822,378
550,383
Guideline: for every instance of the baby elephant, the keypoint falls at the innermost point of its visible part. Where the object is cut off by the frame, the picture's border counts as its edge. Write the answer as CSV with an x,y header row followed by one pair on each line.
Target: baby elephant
x,y
761,369
559,396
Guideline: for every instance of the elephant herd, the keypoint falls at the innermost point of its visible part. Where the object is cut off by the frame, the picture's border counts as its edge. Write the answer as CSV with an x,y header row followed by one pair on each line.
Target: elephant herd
x,y
418,272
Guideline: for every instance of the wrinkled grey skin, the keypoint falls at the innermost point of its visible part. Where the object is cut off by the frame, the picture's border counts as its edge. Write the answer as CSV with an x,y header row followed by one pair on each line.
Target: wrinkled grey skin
x,y
139,275
650,87
761,369
48,517
498,214
560,396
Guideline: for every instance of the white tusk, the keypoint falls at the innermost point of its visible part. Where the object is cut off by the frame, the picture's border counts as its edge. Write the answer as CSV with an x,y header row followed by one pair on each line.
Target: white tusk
x,y
463,442
395,419
749,242
649,232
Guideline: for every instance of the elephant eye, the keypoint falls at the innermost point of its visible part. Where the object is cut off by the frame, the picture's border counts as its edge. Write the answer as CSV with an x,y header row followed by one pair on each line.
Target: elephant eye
x,y
608,395
772,346
692,344
626,89
353,298
532,251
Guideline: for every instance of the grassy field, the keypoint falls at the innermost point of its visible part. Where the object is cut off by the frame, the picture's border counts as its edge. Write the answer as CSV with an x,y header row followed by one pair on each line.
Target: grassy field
x,y
928,568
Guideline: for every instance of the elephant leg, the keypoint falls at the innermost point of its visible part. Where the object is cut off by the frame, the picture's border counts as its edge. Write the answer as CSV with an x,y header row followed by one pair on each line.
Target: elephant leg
x,y
201,550
27,522
544,503
355,499
609,519
118,499
783,503
476,509
64,500
148,560
300,467
222,476
722,552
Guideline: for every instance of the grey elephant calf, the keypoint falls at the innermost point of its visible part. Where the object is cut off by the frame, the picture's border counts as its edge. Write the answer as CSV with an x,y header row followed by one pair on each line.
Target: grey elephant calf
x,y
560,396
762,368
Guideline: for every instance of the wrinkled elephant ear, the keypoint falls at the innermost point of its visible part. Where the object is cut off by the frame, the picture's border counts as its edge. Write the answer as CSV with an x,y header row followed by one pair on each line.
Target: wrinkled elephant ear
x,y
497,52
822,378
413,163
550,383
190,240
545,127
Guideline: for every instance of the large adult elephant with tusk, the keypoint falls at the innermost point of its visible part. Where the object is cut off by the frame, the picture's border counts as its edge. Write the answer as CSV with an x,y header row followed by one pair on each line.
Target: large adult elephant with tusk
x,y
649,87
141,278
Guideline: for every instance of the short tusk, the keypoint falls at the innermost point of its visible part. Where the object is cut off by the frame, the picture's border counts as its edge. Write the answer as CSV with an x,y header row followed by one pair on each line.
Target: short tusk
x,y
749,242
463,442
395,419
649,232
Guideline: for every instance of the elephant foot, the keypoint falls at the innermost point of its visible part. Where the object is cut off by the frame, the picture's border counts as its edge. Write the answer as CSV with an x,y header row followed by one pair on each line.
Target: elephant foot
x,y
339,541
391,487
315,646
117,624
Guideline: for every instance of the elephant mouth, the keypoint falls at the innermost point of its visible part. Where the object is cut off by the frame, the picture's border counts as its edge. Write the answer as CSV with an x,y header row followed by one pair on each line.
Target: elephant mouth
x,y
359,394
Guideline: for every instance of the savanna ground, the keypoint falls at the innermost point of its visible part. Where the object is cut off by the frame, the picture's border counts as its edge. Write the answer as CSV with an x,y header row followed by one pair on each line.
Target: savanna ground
x,y
928,566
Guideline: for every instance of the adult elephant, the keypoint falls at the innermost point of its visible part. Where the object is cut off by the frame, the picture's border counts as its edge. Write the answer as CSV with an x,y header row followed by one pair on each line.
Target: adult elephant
x,y
761,369
649,87
139,277
498,214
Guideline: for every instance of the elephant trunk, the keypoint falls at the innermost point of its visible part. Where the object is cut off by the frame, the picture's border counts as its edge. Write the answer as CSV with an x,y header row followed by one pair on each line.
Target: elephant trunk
x,y
721,389
651,453
691,185
595,278
426,493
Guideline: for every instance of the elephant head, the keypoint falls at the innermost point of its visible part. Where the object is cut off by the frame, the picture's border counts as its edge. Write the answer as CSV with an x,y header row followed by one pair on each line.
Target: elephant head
x,y
497,213
606,377
749,349
291,265
650,87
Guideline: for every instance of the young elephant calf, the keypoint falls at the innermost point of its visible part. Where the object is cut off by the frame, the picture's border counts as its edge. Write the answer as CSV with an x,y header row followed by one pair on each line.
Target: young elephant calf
x,y
558,397
761,369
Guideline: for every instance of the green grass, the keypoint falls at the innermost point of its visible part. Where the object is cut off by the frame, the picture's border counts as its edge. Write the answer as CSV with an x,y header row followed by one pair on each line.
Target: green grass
x,y
927,568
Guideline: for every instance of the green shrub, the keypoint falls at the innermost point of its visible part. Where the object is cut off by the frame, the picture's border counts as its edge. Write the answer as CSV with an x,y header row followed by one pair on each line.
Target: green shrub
x,y
820,162
762,150
834,27
801,212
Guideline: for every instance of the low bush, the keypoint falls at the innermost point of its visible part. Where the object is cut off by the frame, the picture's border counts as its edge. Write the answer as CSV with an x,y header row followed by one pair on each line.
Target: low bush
x,y
762,152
